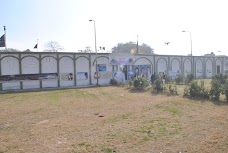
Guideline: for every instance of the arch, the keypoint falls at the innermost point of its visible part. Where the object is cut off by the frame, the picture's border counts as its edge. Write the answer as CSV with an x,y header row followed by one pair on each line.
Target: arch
x,y
218,64
48,56
66,56
209,68
172,63
29,56
49,65
142,58
29,65
187,67
82,65
199,68
98,58
9,56
162,69
66,67
80,57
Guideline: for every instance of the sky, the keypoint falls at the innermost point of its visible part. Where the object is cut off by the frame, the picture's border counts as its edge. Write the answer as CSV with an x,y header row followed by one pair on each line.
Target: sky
x,y
117,21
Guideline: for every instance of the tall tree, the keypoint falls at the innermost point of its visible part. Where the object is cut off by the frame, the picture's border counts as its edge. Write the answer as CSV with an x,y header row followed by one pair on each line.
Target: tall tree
x,y
53,46
127,47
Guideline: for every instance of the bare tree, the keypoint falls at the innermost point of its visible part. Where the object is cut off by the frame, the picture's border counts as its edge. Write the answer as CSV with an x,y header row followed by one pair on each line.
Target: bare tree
x,y
53,46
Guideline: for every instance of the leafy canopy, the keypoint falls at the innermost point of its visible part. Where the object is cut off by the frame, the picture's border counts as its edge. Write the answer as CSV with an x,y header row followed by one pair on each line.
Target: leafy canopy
x,y
127,47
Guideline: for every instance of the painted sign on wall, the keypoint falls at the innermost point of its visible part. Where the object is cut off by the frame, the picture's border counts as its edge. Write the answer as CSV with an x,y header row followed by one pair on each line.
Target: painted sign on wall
x,y
82,75
66,76
28,77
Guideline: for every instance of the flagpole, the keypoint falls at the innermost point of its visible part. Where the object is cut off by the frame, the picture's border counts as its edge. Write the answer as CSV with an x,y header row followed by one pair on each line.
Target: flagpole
x,y
137,45
5,35
37,45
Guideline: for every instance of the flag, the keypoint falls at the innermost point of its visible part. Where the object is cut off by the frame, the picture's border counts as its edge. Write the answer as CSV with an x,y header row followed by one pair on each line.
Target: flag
x,y
2,41
35,46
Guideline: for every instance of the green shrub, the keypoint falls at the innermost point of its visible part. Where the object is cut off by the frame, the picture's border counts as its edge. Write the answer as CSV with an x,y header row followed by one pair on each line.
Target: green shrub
x,y
186,91
190,78
220,77
216,89
172,89
204,92
113,82
197,91
158,86
130,83
179,79
168,79
140,83
225,90
194,89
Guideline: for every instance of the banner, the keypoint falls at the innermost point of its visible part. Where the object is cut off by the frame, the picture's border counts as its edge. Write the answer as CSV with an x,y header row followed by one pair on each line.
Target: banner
x,y
142,70
121,59
101,67
82,75
28,77
66,76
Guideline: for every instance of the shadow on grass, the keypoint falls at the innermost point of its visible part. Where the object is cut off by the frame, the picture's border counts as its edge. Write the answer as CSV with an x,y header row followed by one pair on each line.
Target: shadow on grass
x,y
133,90
48,89
201,100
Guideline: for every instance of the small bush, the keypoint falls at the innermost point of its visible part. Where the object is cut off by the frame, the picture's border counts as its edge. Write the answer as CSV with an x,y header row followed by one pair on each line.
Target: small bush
x,y
130,83
179,79
194,89
204,92
140,83
172,89
220,77
158,87
113,82
225,90
190,78
168,79
215,89
186,91
197,91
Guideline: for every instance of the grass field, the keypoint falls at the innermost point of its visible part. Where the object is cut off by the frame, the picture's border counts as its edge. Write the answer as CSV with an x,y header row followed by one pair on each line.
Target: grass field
x,y
110,119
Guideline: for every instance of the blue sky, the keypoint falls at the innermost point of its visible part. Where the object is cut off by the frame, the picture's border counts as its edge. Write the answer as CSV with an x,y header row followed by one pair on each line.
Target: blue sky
x,y
154,21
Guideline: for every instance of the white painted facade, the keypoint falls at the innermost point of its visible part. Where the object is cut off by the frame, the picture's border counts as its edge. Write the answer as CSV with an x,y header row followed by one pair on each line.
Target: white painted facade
x,y
63,63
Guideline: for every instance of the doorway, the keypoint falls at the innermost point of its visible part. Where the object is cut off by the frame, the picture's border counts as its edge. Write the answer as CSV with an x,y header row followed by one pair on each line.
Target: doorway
x,y
218,69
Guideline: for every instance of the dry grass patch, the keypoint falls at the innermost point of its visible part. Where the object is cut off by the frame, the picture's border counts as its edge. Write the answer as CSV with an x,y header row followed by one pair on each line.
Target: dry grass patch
x,y
109,119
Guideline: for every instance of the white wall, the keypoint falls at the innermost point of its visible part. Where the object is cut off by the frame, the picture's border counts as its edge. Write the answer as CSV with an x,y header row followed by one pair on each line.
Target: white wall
x,y
199,68
66,66
49,65
209,68
82,65
187,67
162,65
30,65
159,63
10,66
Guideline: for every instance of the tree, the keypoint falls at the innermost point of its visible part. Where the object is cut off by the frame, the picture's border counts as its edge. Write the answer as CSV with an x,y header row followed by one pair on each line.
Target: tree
x,y
27,50
127,47
53,46
10,50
